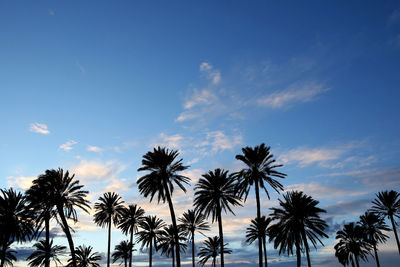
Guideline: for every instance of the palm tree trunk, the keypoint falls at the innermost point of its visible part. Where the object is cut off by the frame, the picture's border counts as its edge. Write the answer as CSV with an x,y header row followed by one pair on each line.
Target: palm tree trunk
x,y
68,234
214,261
265,252
303,233
109,243
173,218
126,263
221,234
376,256
150,255
260,261
357,263
173,257
130,251
298,255
395,232
47,229
193,248
352,261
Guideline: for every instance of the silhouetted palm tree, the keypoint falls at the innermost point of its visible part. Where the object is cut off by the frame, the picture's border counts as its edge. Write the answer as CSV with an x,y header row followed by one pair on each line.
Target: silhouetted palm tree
x,y
299,220
352,244
44,252
130,219
260,172
216,191
373,226
258,230
163,173
191,222
108,211
16,220
85,257
211,249
166,242
150,233
9,255
123,251
387,204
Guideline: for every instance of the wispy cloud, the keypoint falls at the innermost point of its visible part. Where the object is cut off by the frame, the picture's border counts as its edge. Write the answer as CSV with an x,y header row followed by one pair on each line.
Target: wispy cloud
x,y
204,96
394,17
68,145
94,149
219,141
39,128
305,156
171,141
21,182
212,74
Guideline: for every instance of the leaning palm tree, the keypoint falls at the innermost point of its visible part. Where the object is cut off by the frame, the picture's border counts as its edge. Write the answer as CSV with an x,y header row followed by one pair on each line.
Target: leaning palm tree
x,y
211,249
44,252
373,226
260,171
258,230
387,204
130,219
85,257
299,218
191,222
216,191
163,173
108,211
166,242
150,233
123,251
9,255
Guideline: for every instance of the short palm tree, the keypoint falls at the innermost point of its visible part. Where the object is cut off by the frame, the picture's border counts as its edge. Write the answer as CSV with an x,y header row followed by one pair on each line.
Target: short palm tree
x,y
123,251
211,249
258,230
298,220
260,172
373,226
43,252
191,222
387,204
163,171
166,242
214,192
108,211
9,255
150,234
130,219
85,257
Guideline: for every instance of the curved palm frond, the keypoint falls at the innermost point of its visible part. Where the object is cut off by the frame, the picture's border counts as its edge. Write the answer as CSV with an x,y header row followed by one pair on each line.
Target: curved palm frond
x,y
85,257
122,252
38,257
211,249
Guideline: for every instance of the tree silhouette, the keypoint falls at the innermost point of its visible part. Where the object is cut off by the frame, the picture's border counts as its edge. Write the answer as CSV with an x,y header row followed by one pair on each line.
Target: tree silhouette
x,y
123,251
44,253
130,219
191,222
214,192
108,211
211,249
166,242
9,254
150,233
163,173
387,204
298,220
260,172
85,257
258,230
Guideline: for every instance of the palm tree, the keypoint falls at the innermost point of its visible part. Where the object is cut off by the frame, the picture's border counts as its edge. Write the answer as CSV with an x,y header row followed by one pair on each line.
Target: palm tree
x,y
123,251
387,204
259,229
163,173
211,249
260,171
298,219
352,244
85,257
108,212
9,255
130,219
16,220
166,242
150,233
373,226
191,222
214,192
45,252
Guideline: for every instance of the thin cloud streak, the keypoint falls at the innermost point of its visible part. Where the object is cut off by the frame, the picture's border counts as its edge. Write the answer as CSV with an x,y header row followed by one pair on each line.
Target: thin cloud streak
x,y
39,128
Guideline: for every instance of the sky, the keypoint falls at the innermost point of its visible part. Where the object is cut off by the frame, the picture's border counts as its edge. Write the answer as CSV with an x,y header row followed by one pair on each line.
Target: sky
x,y
91,86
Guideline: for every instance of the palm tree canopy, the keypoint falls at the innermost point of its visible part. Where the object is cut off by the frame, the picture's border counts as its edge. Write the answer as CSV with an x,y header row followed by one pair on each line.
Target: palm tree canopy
x,y
38,257
258,228
213,189
10,254
151,230
387,203
166,241
211,249
108,209
122,251
261,167
163,173
373,226
85,257
192,221
130,219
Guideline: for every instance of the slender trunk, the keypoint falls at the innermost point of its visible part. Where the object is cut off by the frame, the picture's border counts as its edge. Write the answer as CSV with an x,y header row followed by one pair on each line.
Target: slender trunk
x,y
150,254
376,256
173,257
173,218
303,233
47,229
126,262
395,232
265,252
130,251
193,248
298,255
357,263
352,261
214,261
109,243
68,234
221,234
260,261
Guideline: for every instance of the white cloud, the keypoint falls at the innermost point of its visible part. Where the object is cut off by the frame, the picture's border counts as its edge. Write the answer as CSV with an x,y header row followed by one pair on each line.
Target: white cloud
x,y
21,182
219,141
94,149
210,73
173,141
39,128
306,156
95,170
68,145
204,96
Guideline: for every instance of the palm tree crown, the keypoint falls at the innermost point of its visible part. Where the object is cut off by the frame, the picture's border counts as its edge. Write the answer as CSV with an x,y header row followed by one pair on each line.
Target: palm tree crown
x,y
38,257
9,256
85,257
166,242
122,251
211,249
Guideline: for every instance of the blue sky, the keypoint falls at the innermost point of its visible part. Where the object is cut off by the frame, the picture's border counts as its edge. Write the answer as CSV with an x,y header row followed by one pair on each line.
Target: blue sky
x,y
92,86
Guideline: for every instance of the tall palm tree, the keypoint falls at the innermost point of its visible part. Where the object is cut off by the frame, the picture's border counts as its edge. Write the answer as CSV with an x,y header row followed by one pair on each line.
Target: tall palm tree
x,y
191,222
387,204
260,171
85,257
9,255
373,226
299,218
163,171
108,211
44,252
211,249
352,245
16,220
258,230
214,192
150,234
123,251
166,242
130,219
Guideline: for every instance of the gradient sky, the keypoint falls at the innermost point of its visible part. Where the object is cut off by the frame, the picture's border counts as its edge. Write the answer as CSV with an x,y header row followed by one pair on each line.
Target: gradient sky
x,y
91,86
